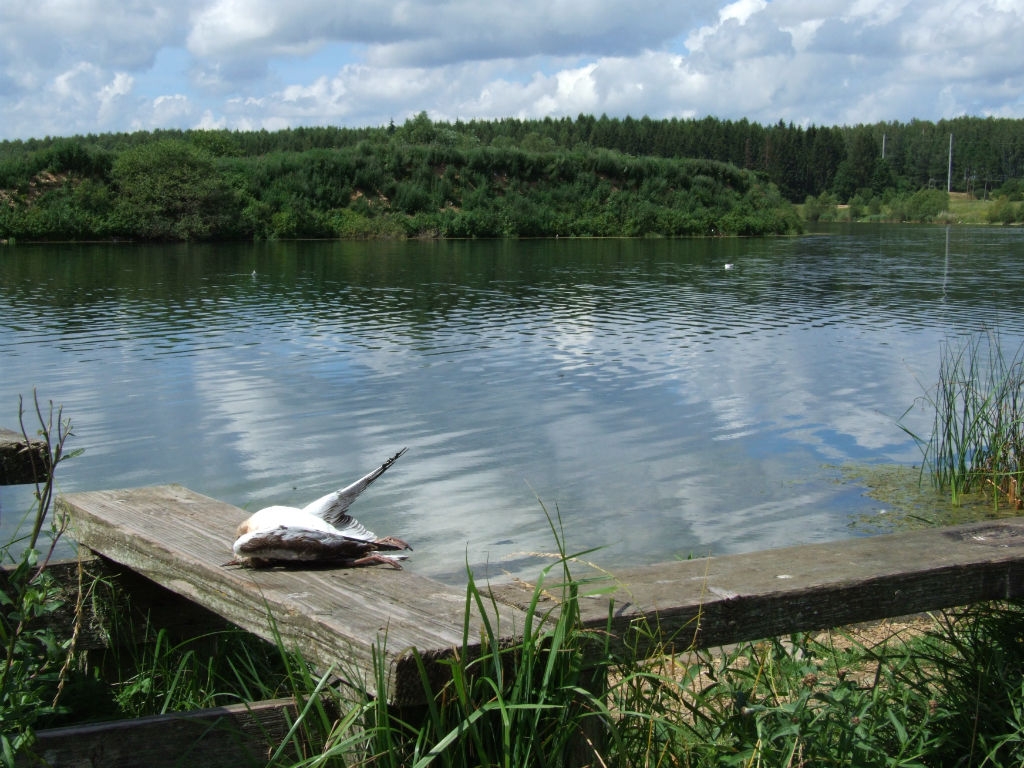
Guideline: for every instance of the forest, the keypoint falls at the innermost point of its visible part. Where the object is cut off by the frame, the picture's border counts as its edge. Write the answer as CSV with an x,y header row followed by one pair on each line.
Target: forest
x,y
499,178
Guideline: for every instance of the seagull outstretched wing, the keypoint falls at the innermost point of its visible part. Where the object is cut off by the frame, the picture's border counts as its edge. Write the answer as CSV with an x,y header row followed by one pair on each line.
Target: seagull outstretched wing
x,y
333,506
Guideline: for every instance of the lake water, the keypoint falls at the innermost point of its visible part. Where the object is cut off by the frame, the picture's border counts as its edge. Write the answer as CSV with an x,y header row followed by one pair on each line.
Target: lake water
x,y
662,404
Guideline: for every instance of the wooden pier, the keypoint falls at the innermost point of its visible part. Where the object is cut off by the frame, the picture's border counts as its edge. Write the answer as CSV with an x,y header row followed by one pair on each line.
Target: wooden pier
x,y
179,540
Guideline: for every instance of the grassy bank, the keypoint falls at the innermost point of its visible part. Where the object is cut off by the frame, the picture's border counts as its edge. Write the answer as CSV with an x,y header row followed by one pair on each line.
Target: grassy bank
x,y
923,206
381,185
566,695
946,693
563,697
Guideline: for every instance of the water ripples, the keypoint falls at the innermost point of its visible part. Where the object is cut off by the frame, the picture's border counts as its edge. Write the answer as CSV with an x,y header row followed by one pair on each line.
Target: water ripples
x,y
662,405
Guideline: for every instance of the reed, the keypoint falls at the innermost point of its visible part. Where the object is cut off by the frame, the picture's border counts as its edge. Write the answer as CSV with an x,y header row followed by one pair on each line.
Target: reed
x,y
977,438
969,670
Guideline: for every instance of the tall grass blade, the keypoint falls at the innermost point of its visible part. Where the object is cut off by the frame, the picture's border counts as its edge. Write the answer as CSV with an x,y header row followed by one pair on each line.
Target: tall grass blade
x,y
977,439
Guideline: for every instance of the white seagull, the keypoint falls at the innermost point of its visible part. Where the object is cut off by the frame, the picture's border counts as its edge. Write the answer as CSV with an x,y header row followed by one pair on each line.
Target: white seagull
x,y
320,532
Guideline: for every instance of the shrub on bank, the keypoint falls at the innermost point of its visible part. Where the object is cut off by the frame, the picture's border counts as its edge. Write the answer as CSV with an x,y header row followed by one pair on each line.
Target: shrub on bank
x,y
179,188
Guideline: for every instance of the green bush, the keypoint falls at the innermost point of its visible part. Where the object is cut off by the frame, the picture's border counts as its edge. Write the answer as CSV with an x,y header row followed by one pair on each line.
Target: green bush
x,y
171,190
194,186
925,205
1002,211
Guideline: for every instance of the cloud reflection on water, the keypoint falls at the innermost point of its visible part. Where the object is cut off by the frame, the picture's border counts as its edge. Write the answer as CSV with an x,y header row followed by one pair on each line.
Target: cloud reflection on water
x,y
661,405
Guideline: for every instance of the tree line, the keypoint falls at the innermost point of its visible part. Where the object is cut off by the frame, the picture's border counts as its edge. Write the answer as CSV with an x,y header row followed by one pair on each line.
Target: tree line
x,y
572,177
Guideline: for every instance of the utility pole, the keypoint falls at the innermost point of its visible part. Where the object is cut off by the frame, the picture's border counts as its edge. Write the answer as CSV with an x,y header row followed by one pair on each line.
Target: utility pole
x,y
949,170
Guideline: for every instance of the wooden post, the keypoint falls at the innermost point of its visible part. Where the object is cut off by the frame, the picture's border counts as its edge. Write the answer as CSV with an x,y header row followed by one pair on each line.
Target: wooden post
x,y
22,461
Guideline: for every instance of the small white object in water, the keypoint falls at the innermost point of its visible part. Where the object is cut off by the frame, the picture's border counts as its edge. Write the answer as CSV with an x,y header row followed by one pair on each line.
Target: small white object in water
x,y
728,266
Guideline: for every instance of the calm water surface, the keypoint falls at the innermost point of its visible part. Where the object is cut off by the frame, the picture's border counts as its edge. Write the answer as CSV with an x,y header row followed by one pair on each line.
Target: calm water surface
x,y
662,404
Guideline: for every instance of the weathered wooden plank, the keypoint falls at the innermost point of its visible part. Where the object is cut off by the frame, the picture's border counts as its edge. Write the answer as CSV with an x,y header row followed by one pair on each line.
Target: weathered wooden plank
x,y
22,461
715,601
180,539
223,737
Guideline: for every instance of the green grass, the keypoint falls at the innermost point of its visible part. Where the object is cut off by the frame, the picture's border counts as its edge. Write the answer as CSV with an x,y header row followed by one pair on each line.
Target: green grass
x,y
965,210
961,209
538,701
215,669
970,672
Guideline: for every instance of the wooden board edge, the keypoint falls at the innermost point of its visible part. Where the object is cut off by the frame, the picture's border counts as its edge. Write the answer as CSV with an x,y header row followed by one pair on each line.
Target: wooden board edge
x,y
228,736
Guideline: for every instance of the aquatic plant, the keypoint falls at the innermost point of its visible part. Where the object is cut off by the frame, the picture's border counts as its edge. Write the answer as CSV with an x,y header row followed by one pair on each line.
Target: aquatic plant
x,y
977,439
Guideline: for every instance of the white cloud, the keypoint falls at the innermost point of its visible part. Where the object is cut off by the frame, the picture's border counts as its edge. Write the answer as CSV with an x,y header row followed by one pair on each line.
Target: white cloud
x,y
88,65
230,24
168,108
575,92
209,123
68,85
741,10
730,17
110,96
877,12
803,32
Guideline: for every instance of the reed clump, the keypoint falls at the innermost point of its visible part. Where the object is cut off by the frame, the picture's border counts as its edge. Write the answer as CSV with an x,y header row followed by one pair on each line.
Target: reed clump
x,y
977,438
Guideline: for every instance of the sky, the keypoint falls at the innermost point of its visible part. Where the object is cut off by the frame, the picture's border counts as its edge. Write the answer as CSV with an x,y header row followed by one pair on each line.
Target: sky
x,y
94,66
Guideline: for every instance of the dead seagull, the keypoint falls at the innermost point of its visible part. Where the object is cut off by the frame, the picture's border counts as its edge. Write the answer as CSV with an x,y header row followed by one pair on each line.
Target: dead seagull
x,y
321,532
